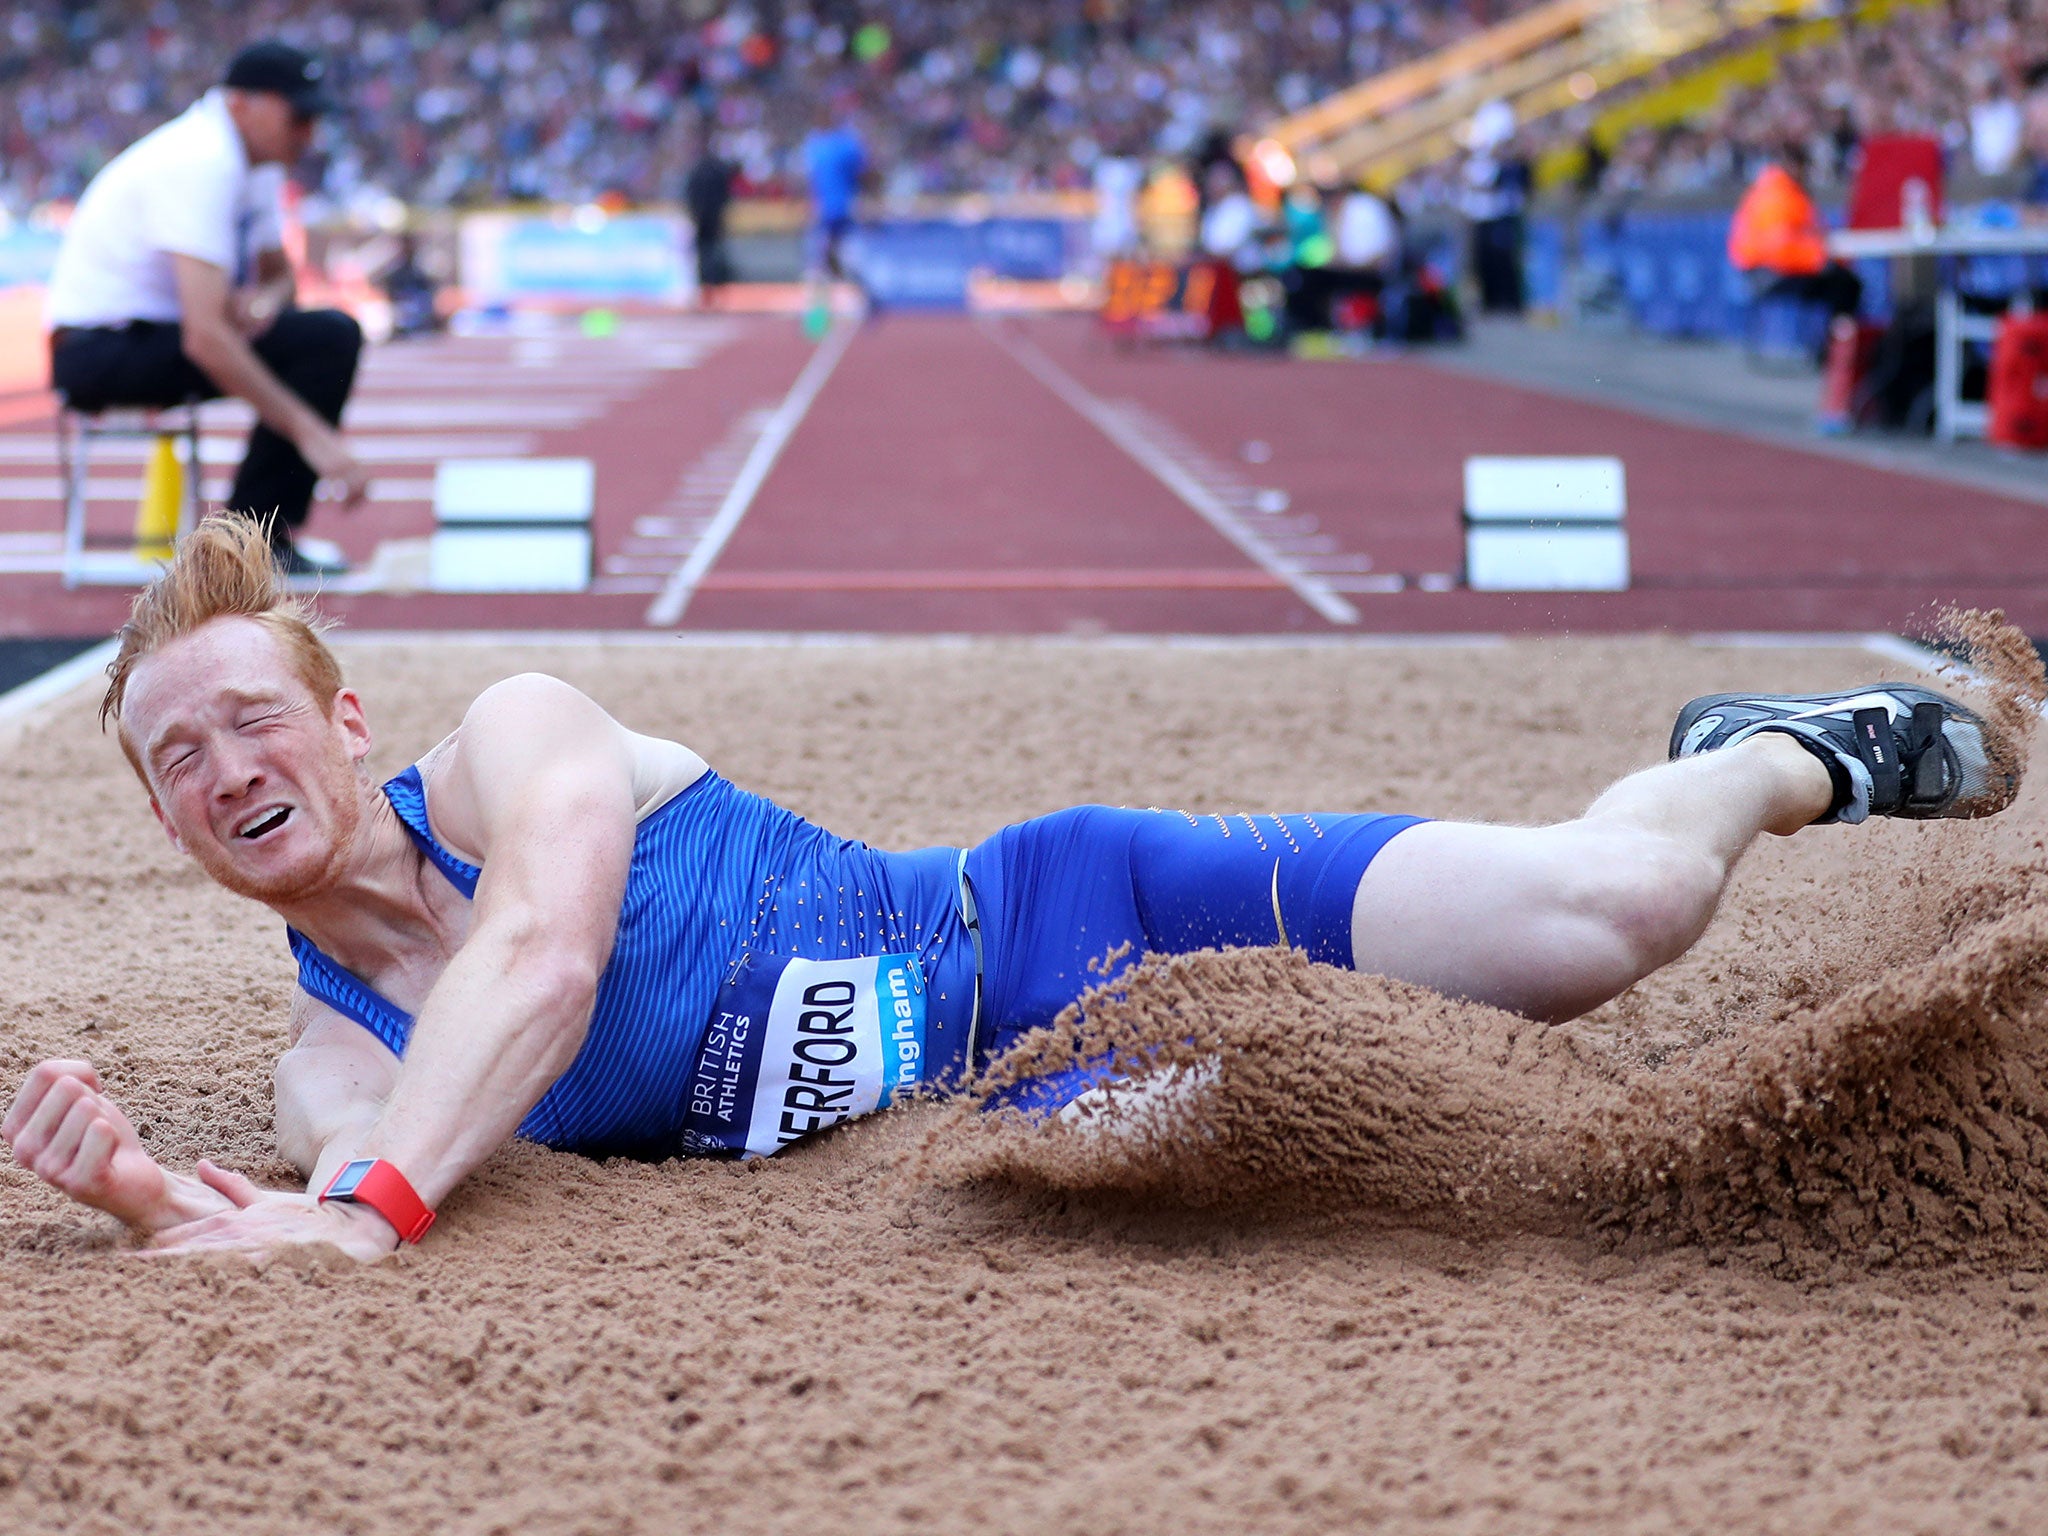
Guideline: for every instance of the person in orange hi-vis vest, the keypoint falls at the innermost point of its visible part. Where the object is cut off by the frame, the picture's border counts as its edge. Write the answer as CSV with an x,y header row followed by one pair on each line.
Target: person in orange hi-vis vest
x,y
1777,234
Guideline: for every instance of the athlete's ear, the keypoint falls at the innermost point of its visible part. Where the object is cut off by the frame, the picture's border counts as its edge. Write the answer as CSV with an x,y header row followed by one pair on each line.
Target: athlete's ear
x,y
355,725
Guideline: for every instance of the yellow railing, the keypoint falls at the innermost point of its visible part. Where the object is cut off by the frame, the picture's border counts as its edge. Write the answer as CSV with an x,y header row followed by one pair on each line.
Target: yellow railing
x,y
1559,55
1700,91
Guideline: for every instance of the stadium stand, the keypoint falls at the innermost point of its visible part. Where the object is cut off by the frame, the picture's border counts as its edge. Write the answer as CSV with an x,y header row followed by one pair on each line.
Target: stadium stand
x,y
1971,74
454,102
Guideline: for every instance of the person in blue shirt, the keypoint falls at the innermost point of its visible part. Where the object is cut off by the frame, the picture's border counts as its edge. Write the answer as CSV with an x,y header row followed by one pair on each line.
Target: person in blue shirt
x,y
554,927
835,161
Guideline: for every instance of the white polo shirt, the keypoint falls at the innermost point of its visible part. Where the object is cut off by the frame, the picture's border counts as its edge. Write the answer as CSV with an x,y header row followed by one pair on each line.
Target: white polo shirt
x,y
185,189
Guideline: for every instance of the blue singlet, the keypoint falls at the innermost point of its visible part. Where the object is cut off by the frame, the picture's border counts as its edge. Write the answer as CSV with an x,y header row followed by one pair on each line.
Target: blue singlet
x,y
728,891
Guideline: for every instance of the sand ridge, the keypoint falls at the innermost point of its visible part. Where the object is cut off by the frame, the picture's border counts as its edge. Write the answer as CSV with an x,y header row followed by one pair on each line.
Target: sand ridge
x,y
1454,1310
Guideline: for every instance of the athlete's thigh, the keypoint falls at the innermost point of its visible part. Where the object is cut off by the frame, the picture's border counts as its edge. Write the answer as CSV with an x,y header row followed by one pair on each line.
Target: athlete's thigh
x,y
1510,916
1213,882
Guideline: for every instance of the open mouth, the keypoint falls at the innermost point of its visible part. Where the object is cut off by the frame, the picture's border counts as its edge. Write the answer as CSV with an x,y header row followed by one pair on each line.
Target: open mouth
x,y
265,825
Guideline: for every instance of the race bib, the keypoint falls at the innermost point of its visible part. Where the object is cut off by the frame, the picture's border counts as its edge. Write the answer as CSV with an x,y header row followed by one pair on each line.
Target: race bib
x,y
796,1046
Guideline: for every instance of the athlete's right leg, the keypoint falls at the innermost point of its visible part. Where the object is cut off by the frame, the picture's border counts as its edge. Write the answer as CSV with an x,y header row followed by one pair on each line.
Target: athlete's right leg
x,y
1553,921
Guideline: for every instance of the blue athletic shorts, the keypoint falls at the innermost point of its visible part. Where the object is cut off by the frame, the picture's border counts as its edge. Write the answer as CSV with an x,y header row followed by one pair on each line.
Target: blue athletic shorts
x,y
1060,891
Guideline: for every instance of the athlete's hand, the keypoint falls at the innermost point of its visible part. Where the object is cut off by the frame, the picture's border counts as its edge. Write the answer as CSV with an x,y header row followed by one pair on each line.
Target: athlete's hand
x,y
265,1221
70,1135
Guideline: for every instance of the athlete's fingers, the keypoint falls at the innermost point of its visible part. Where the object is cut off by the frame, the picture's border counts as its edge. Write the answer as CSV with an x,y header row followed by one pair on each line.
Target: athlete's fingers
x,y
43,1076
63,1145
94,1157
227,1182
31,1137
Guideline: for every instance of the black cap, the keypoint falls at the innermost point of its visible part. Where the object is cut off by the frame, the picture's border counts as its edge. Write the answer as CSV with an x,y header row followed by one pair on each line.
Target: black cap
x,y
284,71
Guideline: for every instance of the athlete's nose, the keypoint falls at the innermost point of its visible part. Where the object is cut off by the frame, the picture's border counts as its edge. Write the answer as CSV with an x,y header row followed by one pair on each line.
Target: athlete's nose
x,y
237,771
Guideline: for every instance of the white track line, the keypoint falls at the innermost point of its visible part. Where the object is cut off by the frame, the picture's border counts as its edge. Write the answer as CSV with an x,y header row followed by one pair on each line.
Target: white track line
x,y
1112,424
775,436
19,705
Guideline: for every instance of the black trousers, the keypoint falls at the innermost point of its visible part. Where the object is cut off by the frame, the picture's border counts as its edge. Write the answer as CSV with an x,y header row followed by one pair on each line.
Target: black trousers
x,y
1497,261
1836,286
313,351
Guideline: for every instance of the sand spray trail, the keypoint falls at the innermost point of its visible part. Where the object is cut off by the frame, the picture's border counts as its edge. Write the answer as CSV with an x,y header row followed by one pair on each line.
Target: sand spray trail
x,y
1878,1094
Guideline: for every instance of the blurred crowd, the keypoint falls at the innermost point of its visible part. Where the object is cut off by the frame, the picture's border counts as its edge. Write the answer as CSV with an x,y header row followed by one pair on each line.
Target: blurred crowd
x,y
1972,74
474,101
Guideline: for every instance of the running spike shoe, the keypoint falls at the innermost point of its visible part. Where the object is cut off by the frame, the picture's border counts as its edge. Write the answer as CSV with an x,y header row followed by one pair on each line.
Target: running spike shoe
x,y
1892,749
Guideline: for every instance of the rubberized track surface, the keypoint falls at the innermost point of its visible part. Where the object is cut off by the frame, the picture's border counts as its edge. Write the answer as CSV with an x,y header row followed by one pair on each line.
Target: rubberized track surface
x,y
1029,476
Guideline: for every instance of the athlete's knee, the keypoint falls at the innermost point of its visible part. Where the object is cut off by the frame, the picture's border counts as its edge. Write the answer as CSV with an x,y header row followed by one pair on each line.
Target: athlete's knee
x,y
1651,895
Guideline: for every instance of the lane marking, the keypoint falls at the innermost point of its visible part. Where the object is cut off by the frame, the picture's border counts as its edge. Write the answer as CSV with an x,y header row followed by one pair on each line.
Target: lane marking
x,y
663,540
675,596
1117,426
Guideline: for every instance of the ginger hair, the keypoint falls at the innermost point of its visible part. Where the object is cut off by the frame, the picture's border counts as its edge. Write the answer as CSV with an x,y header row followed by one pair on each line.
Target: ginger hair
x,y
224,568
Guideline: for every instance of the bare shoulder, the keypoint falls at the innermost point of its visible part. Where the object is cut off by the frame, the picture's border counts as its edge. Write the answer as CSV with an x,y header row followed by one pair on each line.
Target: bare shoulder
x,y
537,730
533,696
524,722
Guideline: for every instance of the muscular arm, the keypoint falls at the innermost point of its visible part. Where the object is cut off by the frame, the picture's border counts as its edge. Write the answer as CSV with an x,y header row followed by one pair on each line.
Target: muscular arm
x,y
218,348
540,783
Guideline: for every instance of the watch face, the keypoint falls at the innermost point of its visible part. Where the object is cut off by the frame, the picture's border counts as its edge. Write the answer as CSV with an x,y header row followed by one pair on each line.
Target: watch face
x,y
344,1185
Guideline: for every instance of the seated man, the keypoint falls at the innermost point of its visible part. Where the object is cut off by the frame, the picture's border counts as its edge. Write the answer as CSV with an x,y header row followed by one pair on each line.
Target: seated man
x,y
553,927
171,285
1777,237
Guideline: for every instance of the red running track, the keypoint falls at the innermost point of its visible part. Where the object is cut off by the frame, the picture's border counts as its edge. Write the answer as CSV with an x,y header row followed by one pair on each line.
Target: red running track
x,y
946,479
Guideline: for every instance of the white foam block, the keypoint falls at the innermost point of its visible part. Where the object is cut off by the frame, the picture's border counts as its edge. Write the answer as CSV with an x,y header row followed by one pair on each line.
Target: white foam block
x,y
512,525
1567,489
1545,525
514,490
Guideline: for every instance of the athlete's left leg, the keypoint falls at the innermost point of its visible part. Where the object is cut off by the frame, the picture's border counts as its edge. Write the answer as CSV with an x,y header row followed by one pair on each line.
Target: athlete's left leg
x,y
1553,921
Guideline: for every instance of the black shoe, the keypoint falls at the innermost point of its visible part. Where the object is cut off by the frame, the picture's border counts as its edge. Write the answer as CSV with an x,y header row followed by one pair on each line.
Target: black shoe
x,y
294,561
1892,749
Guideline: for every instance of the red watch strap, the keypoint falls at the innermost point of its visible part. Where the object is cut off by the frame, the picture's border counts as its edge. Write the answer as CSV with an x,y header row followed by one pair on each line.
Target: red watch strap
x,y
380,1186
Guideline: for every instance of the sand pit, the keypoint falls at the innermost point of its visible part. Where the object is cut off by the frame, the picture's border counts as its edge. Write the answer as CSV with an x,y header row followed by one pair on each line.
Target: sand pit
x,y
1761,1246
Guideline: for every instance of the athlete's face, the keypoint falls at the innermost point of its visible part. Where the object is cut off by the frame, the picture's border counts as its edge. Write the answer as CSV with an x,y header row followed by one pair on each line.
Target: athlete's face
x,y
250,774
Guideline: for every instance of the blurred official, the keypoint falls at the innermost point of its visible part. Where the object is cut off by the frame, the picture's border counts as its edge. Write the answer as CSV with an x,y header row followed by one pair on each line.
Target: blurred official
x,y
172,284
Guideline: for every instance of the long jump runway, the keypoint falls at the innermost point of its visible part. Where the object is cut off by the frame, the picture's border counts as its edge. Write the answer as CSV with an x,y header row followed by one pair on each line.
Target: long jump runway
x,y
932,473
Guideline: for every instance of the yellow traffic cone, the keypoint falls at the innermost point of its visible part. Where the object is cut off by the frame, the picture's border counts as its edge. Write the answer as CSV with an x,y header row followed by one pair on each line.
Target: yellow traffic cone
x,y
163,497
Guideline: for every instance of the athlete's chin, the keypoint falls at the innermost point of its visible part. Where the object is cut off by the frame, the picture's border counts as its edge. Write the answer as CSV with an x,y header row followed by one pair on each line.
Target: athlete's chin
x,y
285,876
285,884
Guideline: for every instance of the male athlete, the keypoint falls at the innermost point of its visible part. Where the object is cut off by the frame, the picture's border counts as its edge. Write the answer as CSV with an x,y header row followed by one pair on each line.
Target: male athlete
x,y
553,927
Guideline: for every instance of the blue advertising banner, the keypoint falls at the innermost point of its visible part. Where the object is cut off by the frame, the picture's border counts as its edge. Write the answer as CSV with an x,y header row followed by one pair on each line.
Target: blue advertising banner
x,y
580,254
26,255
926,263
